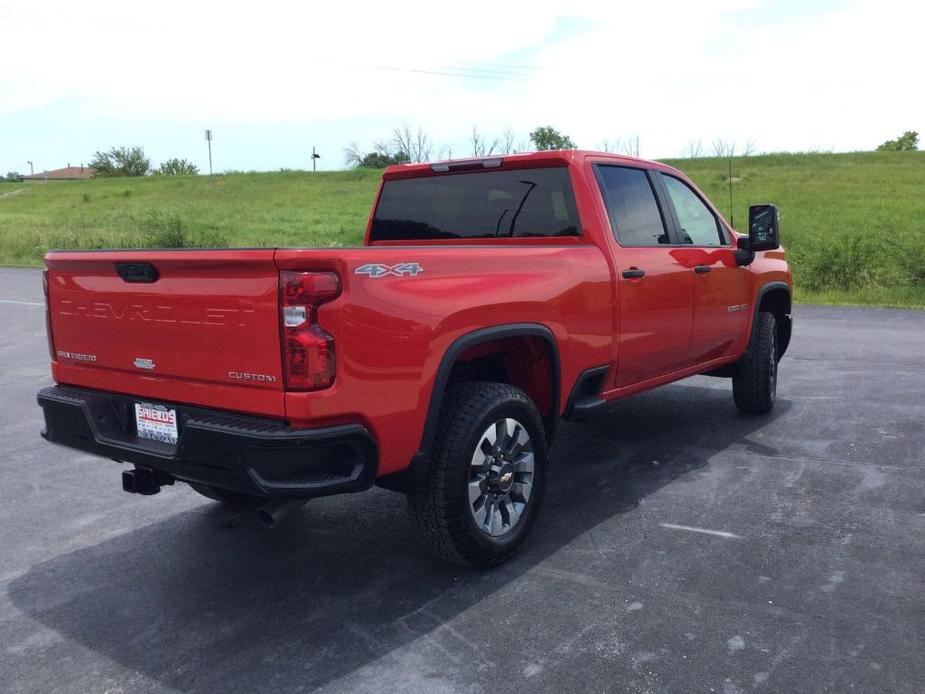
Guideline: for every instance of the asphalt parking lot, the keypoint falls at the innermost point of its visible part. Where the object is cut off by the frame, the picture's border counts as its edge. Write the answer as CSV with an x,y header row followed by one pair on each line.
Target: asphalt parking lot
x,y
683,548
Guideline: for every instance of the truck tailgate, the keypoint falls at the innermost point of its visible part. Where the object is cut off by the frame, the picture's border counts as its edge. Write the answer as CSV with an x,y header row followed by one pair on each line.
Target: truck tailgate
x,y
199,327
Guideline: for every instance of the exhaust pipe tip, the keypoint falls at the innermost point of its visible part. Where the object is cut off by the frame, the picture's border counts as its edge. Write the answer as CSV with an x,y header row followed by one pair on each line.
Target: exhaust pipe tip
x,y
272,513
266,518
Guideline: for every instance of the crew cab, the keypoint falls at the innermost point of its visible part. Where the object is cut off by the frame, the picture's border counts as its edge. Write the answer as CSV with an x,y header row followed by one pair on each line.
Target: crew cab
x,y
491,298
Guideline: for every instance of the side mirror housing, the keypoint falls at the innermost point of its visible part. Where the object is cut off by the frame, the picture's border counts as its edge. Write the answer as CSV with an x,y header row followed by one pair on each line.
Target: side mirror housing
x,y
763,228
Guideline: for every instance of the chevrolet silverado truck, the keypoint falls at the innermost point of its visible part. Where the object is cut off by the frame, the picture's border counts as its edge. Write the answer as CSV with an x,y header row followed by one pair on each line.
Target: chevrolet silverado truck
x,y
491,298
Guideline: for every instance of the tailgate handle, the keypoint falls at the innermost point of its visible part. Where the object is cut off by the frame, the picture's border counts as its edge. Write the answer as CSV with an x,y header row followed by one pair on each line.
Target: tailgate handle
x,y
137,272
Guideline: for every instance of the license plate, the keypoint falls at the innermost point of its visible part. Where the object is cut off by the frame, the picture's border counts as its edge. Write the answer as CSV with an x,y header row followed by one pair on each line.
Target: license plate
x,y
155,422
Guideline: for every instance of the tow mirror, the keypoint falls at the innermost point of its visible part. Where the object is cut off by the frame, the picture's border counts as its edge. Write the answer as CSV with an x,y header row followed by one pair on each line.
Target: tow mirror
x,y
763,228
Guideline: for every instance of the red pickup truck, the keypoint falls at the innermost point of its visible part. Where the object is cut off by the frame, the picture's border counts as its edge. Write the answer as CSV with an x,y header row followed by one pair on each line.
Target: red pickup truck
x,y
491,298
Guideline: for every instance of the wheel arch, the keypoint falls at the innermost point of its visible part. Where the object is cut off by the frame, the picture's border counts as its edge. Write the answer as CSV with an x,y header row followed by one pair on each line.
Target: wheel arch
x,y
776,298
482,343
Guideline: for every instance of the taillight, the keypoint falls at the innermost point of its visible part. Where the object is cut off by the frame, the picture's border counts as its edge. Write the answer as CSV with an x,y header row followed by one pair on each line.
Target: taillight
x,y
51,339
308,351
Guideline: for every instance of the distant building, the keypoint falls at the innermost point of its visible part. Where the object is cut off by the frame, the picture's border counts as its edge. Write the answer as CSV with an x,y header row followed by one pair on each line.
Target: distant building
x,y
68,173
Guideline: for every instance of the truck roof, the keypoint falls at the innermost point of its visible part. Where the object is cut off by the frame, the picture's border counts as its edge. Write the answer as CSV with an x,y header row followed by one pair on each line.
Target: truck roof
x,y
519,160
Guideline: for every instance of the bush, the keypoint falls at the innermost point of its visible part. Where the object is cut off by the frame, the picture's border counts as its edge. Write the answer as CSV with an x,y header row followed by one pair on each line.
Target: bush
x,y
383,155
907,142
176,167
12,177
164,231
168,230
855,260
377,160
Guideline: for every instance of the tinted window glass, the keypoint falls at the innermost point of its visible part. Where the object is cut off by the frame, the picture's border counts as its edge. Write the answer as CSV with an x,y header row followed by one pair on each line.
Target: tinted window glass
x,y
698,224
485,204
630,201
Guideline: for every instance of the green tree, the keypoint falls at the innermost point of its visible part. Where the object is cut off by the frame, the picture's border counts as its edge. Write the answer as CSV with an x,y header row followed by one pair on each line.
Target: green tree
x,y
176,167
12,177
546,138
378,160
382,156
907,142
121,161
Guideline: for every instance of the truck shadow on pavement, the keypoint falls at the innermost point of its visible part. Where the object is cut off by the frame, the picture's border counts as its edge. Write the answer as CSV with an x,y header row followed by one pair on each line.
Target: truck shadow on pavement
x,y
208,600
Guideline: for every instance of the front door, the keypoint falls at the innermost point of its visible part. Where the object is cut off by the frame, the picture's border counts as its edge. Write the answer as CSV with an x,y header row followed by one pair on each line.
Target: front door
x,y
654,289
721,286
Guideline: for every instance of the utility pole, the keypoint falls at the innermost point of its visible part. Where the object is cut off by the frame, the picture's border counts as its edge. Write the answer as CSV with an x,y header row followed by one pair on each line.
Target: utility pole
x,y
209,140
31,170
315,156
732,214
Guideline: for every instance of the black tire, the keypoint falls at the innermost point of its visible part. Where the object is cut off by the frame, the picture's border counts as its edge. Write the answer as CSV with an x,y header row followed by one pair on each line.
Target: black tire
x,y
442,509
754,385
227,496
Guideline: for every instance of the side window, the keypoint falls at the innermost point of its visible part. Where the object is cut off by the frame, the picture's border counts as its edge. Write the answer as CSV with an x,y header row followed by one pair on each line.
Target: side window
x,y
699,225
631,206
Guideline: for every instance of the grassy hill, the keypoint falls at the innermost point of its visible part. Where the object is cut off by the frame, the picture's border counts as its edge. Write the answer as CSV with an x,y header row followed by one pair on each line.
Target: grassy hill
x,y
853,224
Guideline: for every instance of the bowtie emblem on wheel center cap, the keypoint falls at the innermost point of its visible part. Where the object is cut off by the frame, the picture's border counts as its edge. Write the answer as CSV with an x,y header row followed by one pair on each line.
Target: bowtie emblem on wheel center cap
x,y
505,478
501,476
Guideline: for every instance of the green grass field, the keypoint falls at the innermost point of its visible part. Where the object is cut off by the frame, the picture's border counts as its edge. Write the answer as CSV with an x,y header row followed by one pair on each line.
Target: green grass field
x,y
853,224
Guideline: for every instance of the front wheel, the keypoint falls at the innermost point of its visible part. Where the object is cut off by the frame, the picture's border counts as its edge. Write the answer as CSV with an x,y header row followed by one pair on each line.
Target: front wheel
x,y
486,476
754,385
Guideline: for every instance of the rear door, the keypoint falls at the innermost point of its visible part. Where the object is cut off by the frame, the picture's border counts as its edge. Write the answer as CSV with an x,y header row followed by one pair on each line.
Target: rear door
x,y
654,289
721,286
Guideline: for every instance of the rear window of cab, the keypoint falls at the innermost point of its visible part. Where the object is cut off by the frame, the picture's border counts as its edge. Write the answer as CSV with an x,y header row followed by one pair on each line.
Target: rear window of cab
x,y
483,204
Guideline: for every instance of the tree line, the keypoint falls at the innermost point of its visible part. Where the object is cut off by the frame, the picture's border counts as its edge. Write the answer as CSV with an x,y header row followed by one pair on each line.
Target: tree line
x,y
409,146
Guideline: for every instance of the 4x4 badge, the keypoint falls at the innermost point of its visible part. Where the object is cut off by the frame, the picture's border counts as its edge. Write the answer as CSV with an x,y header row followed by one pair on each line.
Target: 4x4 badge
x,y
375,270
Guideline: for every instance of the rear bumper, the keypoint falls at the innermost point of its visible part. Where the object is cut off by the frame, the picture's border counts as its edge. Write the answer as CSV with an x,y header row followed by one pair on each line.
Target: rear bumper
x,y
246,454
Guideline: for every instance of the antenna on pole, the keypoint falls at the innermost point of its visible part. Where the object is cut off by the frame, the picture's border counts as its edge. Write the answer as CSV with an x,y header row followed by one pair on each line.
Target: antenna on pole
x,y
732,216
209,140
315,157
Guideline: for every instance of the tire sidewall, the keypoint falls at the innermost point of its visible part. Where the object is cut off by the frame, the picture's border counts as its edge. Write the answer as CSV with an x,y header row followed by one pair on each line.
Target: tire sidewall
x,y
771,379
476,539
755,382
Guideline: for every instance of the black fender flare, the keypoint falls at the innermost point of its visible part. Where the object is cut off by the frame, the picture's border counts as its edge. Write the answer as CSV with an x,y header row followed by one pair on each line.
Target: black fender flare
x,y
413,476
786,327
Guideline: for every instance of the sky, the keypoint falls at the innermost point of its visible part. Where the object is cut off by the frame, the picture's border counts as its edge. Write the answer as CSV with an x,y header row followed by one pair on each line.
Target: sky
x,y
273,79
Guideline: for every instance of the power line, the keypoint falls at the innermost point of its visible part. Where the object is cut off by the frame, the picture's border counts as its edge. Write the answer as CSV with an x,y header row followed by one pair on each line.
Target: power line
x,y
447,71
479,72
502,66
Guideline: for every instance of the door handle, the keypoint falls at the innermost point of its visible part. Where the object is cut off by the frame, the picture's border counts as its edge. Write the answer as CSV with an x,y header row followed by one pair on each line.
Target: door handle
x,y
634,273
700,269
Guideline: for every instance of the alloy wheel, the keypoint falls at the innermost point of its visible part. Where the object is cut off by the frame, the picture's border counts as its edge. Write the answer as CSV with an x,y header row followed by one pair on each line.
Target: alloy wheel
x,y
501,477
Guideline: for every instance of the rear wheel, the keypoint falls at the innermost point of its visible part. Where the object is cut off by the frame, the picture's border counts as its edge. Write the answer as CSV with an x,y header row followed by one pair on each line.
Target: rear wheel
x,y
754,385
227,496
486,477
